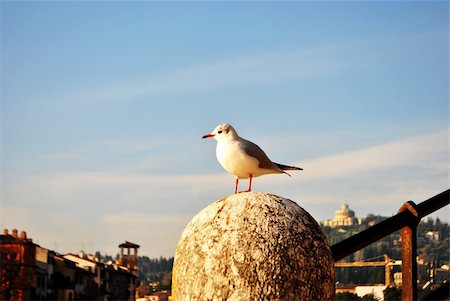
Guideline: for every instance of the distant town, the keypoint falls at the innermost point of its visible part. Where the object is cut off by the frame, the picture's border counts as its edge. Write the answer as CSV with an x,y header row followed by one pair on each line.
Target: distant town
x,y
375,271
33,272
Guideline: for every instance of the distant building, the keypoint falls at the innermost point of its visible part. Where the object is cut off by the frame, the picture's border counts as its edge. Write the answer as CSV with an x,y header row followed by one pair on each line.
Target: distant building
x,y
93,284
345,288
434,236
376,290
362,290
343,217
129,256
121,283
31,272
63,277
44,272
18,261
398,279
112,281
157,296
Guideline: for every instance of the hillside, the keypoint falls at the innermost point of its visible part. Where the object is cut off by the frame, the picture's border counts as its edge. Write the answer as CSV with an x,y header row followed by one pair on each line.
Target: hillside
x,y
432,248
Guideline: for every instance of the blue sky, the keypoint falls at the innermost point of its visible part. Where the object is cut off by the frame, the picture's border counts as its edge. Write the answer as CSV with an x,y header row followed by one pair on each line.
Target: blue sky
x,y
103,105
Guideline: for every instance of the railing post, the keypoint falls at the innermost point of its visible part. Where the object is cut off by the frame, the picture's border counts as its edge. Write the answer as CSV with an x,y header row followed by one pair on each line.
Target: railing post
x,y
387,271
409,252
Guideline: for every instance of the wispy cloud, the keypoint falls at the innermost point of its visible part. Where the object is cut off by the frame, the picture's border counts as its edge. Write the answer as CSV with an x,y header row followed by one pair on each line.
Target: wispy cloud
x,y
108,207
255,69
426,155
374,179
240,71
427,152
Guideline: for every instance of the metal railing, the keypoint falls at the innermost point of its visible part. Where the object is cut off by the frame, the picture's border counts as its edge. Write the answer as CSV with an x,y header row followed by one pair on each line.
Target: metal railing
x,y
406,220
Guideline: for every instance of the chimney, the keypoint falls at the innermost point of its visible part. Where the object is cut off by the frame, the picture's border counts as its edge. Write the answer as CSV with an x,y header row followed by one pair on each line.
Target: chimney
x,y
5,232
23,235
14,233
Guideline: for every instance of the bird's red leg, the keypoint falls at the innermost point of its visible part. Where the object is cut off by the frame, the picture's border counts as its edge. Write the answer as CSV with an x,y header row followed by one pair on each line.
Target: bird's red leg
x,y
250,183
236,187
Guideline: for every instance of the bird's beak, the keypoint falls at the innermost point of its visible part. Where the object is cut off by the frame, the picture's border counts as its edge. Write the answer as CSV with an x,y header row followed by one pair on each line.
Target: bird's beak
x,y
208,136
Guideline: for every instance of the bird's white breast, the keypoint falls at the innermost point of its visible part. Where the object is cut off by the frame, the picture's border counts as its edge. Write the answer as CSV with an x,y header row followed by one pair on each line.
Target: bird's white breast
x,y
235,160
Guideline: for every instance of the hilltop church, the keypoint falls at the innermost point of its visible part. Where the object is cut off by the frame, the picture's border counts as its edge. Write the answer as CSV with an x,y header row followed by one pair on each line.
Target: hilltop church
x,y
343,217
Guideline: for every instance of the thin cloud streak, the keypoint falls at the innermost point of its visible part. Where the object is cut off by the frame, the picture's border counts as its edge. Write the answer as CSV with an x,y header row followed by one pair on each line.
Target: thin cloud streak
x,y
375,179
241,71
255,69
425,151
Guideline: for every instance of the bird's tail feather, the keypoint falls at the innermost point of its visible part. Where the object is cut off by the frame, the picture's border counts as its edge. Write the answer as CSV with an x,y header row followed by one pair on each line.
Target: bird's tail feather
x,y
287,167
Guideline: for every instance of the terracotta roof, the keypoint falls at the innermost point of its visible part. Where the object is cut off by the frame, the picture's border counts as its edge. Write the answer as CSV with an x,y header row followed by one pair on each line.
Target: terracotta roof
x,y
9,239
128,244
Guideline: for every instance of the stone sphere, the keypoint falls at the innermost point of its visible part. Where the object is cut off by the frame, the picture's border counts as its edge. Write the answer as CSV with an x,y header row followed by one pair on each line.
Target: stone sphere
x,y
253,246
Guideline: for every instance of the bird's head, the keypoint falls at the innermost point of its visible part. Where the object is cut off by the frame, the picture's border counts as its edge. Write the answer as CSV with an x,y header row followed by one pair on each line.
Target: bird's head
x,y
221,132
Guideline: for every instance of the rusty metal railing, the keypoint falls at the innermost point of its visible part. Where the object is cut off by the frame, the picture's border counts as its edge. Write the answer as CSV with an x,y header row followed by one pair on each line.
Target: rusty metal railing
x,y
406,220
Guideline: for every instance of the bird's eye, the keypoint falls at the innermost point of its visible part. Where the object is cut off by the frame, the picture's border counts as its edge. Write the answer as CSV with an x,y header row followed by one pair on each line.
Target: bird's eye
x,y
220,132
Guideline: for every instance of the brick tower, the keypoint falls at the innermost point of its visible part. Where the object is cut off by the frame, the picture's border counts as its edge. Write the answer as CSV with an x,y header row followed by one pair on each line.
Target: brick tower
x,y
129,256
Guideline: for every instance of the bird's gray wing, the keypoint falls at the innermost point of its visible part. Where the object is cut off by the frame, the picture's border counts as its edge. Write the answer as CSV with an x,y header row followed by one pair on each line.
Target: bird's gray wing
x,y
256,152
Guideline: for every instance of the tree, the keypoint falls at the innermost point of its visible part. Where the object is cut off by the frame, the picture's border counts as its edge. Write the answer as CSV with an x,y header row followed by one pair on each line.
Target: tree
x,y
346,296
369,297
393,294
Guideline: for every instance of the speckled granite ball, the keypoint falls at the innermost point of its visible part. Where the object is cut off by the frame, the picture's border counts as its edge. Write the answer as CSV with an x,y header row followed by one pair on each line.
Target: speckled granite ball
x,y
253,246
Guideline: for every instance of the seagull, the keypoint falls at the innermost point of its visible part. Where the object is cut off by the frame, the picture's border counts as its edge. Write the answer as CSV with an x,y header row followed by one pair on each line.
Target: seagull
x,y
242,158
